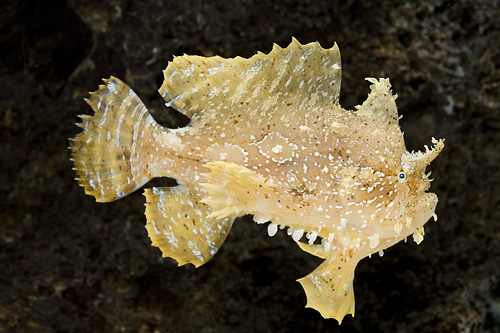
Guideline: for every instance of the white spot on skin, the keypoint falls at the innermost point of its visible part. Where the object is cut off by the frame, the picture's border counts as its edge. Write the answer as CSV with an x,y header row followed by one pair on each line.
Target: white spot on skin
x,y
398,227
277,149
374,240
326,245
155,227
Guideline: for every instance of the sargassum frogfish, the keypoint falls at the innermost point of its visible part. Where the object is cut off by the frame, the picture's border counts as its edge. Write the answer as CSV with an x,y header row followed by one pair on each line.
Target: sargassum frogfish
x,y
267,137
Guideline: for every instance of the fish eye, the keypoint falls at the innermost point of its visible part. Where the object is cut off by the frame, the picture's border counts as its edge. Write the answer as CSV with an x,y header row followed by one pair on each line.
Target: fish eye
x,y
402,177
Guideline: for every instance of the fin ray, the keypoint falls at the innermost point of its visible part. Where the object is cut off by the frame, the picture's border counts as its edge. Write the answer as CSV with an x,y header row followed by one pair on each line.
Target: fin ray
x,y
106,153
235,190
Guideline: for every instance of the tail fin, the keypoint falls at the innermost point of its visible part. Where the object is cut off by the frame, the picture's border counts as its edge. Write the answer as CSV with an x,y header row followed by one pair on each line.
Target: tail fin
x,y
109,156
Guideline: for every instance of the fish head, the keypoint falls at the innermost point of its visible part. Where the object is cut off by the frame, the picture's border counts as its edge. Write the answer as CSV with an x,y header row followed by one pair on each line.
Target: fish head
x,y
420,204
392,191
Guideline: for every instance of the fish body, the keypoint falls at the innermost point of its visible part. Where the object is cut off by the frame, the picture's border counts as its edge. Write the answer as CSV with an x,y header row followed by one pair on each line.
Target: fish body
x,y
267,137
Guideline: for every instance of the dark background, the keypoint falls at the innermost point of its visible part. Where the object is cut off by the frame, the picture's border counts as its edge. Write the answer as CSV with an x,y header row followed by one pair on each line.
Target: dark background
x,y
70,264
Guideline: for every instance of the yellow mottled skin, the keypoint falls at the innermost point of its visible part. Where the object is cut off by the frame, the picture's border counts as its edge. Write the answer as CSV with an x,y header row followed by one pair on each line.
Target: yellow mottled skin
x,y
267,137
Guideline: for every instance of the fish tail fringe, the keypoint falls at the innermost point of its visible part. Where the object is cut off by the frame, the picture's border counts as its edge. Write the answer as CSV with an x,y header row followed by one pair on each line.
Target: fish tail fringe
x,y
107,153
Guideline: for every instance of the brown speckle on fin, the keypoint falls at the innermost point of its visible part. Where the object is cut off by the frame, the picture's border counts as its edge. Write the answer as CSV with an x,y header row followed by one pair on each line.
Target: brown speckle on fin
x,y
329,287
177,223
302,75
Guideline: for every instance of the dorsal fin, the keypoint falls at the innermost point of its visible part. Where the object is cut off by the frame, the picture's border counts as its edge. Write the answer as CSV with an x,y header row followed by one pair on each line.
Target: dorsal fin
x,y
305,75
380,104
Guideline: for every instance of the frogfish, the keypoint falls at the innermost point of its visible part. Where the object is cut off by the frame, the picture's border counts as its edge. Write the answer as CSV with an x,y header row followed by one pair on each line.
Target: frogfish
x,y
267,137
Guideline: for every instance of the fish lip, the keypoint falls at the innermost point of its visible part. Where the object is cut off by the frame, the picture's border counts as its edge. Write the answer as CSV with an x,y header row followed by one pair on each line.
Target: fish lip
x,y
424,208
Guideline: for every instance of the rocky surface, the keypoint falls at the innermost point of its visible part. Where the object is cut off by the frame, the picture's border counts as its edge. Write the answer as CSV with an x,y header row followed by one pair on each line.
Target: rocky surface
x,y
70,264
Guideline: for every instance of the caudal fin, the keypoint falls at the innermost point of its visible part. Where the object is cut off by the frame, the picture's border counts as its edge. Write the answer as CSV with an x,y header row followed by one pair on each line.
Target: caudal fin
x,y
110,157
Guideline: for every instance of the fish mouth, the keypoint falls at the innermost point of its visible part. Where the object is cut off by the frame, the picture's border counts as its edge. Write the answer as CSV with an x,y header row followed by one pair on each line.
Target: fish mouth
x,y
423,209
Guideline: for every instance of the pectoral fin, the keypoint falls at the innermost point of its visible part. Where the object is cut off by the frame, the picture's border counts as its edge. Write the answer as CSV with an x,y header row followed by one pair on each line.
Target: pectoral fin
x,y
177,223
234,190
329,288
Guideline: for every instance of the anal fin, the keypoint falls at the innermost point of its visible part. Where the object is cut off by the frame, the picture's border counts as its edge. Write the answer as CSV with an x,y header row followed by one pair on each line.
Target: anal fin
x,y
177,223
